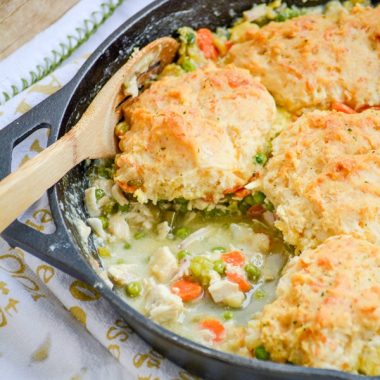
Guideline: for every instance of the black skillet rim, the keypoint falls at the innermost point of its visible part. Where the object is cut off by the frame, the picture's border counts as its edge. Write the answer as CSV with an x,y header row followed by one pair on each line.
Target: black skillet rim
x,y
277,368
261,367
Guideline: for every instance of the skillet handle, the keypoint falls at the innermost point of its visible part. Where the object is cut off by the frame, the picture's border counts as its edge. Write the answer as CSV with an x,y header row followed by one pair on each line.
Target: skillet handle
x,y
57,248
47,114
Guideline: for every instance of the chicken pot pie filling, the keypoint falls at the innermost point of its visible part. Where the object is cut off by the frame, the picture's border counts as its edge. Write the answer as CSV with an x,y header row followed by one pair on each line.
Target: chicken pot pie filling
x,y
227,216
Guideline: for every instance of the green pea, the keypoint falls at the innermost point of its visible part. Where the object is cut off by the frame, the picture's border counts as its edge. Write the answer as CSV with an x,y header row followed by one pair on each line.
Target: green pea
x,y
182,232
219,267
259,294
228,315
187,36
101,171
139,235
268,205
105,222
215,212
249,200
127,246
181,204
261,158
99,194
190,38
133,289
218,212
121,128
287,14
219,250
258,198
196,267
200,268
123,208
243,206
280,18
104,252
233,207
110,208
188,64
261,353
182,254
105,172
253,272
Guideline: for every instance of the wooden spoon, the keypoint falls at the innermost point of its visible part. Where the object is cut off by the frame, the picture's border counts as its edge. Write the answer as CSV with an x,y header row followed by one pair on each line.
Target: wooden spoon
x,y
92,137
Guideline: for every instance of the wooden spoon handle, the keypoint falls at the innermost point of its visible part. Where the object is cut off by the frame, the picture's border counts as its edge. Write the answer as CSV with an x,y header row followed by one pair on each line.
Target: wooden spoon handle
x,y
91,137
22,188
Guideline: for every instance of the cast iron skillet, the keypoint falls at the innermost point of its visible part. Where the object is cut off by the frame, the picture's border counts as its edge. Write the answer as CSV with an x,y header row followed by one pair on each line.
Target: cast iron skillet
x,y
64,248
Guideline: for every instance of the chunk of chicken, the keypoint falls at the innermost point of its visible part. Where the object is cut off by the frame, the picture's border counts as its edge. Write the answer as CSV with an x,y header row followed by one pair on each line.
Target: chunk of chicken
x,y
226,292
161,305
163,264
122,274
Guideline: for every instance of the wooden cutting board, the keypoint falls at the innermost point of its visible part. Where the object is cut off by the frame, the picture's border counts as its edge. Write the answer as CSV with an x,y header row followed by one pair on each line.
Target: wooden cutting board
x,y
21,20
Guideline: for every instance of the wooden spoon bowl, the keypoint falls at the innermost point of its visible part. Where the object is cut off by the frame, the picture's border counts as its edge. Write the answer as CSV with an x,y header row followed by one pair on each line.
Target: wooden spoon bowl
x,y
92,137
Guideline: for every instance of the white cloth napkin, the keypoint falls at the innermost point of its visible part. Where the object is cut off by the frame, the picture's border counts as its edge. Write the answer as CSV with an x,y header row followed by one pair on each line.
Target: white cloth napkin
x,y
51,325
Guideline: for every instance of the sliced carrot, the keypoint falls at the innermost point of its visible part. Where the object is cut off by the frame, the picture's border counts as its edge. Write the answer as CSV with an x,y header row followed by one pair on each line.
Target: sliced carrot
x,y
256,210
242,193
367,107
208,198
187,290
205,43
215,327
228,45
232,189
340,107
126,188
243,283
234,258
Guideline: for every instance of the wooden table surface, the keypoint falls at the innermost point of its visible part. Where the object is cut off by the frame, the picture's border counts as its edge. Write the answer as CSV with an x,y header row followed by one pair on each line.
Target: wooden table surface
x,y
21,20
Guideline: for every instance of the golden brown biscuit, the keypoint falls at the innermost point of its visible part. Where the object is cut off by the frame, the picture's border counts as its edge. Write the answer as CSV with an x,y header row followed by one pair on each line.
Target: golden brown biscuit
x,y
194,136
316,60
324,177
327,311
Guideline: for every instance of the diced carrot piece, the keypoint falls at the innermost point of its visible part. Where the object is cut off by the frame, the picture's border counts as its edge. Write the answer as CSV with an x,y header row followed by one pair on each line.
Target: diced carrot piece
x,y
243,283
187,290
228,45
208,198
215,327
126,188
206,44
367,107
232,190
234,258
256,210
340,107
242,193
